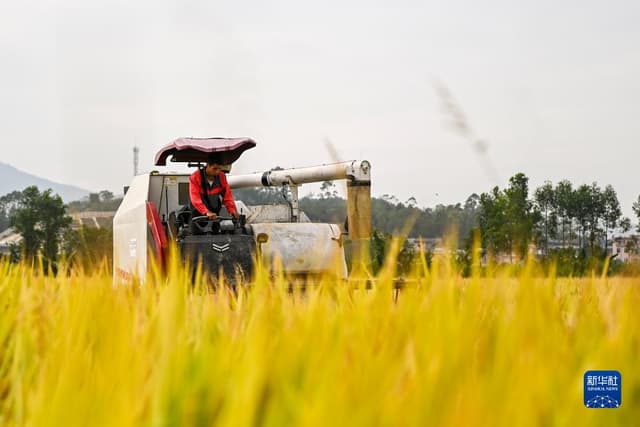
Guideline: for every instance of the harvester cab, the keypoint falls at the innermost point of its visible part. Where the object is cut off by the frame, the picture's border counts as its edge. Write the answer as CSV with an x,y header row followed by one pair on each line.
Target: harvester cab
x,y
156,213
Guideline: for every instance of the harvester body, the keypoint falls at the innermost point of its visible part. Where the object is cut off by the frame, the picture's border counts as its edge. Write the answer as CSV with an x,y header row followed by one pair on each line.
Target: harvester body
x,y
155,213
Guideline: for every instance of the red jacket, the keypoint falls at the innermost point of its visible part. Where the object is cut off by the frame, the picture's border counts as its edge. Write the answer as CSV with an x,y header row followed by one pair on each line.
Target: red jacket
x,y
195,190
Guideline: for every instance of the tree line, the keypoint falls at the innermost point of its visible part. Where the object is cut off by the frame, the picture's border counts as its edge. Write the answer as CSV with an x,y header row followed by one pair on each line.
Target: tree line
x,y
555,217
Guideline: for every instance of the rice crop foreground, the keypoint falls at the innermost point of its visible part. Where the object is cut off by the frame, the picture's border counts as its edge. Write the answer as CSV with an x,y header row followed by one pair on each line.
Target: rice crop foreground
x,y
494,351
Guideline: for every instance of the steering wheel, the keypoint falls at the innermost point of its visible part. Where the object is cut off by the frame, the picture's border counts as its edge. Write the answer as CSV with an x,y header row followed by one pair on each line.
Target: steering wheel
x,y
205,224
216,219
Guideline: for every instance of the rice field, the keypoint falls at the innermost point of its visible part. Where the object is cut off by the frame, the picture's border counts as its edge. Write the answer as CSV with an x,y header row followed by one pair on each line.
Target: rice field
x,y
486,351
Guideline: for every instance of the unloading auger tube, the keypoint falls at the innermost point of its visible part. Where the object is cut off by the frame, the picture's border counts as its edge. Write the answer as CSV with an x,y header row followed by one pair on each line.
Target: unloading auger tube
x,y
357,171
358,176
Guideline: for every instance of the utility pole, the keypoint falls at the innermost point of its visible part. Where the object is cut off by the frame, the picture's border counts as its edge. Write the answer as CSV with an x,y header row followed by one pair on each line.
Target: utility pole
x,y
136,151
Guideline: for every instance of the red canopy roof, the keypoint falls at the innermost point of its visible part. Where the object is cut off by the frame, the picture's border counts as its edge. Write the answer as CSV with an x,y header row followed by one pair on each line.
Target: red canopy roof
x,y
198,149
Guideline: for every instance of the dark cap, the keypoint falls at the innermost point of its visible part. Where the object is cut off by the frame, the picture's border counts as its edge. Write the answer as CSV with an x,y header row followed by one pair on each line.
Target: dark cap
x,y
215,158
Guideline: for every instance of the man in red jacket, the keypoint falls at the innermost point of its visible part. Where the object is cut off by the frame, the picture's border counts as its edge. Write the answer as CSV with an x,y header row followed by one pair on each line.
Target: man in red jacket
x,y
209,189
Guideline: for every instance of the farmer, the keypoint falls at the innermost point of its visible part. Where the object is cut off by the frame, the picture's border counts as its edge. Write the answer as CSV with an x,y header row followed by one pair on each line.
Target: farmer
x,y
209,189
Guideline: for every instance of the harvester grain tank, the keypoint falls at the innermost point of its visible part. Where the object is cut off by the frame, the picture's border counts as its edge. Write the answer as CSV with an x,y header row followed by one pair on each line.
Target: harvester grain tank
x,y
155,213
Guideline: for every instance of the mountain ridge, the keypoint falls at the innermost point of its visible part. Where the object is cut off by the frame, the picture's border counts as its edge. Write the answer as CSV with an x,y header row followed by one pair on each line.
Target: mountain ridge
x,y
14,179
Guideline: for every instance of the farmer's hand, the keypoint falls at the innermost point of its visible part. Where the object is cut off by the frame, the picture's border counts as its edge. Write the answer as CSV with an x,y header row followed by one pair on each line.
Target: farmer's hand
x,y
211,215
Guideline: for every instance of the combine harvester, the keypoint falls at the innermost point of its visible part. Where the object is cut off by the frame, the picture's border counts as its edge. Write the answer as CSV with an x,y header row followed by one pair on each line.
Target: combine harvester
x,y
155,213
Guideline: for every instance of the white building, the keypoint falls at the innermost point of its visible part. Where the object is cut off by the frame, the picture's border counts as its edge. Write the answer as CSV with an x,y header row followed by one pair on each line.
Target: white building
x,y
625,248
7,238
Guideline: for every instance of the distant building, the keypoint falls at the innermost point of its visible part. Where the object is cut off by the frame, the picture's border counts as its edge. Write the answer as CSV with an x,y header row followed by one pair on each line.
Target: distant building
x,y
92,219
429,244
625,248
8,238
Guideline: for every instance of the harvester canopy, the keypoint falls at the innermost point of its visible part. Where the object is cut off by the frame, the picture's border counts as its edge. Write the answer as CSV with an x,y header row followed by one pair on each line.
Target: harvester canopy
x,y
194,150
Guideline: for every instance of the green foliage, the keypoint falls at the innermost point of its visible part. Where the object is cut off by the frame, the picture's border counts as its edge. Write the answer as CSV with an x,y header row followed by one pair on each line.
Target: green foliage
x,y
328,190
104,201
106,196
492,215
380,251
545,199
564,207
464,255
636,210
40,218
391,216
626,269
521,215
8,204
330,209
567,262
612,213
4,220
88,246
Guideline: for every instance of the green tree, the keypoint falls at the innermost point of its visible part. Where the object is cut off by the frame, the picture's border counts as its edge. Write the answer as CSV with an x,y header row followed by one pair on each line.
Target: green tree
x,y
102,202
593,209
25,221
106,196
521,217
328,190
625,224
8,204
632,245
545,198
491,222
378,250
469,218
581,206
471,204
507,219
636,210
380,246
564,198
596,210
88,246
612,212
40,219
4,221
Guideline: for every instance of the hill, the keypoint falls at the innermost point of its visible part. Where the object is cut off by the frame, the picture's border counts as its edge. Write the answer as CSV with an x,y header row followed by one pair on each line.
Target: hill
x,y
12,179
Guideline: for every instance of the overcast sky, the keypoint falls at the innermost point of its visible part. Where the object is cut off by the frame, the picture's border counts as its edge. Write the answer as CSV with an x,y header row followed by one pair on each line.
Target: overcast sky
x,y
552,87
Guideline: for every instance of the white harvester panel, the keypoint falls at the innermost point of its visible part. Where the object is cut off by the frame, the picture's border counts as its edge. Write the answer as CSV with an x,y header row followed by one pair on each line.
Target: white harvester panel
x,y
130,231
303,248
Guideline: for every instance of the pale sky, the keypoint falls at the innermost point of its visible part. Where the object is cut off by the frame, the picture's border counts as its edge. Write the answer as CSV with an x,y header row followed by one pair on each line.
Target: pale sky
x,y
553,87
